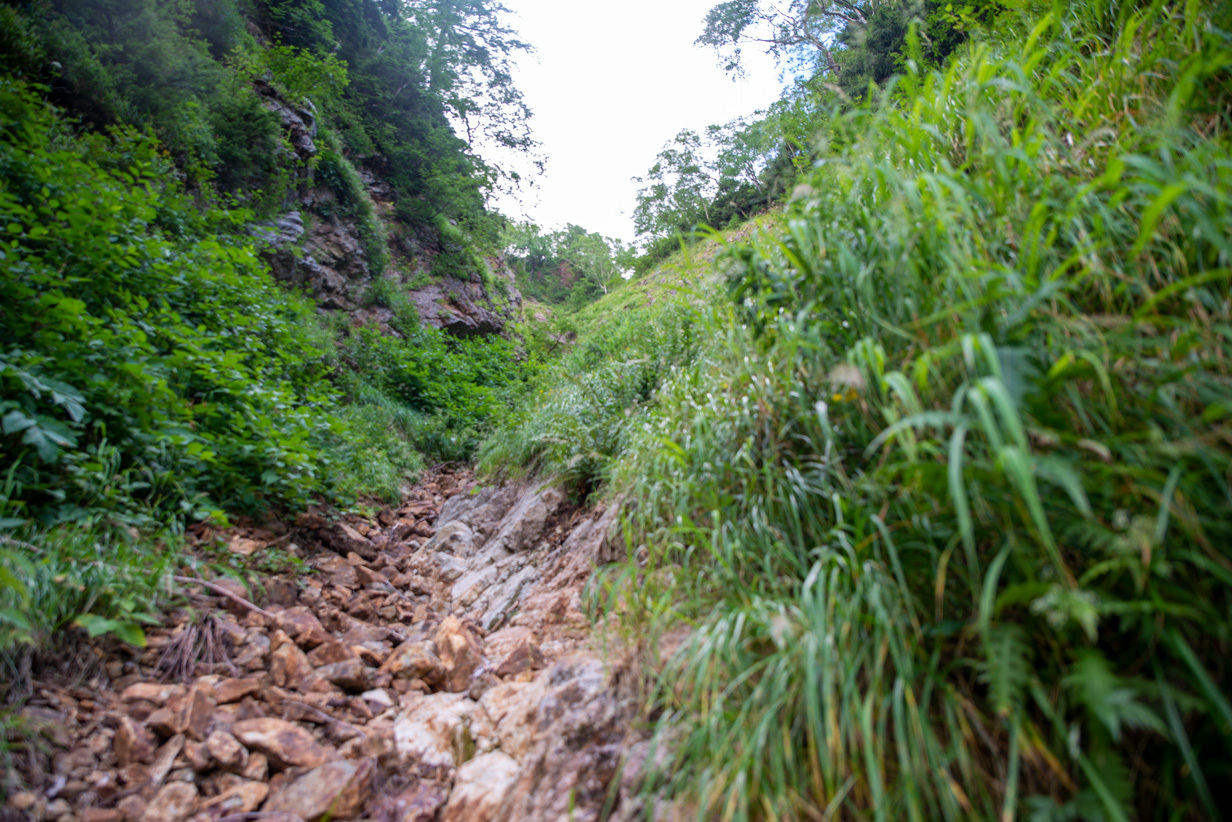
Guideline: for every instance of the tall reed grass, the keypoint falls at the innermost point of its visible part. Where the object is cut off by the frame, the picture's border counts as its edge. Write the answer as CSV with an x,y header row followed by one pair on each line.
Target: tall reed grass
x,y
944,504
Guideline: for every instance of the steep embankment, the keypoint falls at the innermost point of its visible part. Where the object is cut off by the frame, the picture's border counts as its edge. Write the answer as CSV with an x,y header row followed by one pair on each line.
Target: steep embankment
x,y
435,664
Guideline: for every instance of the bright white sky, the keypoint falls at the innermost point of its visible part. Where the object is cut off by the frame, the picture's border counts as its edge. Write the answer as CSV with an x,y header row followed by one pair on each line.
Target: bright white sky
x,y
610,83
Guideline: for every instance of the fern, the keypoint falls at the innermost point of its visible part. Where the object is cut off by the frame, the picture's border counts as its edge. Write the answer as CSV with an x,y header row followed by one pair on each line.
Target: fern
x,y
1109,699
1007,667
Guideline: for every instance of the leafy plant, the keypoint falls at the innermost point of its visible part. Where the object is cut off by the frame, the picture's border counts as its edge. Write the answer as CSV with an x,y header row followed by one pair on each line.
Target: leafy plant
x,y
148,356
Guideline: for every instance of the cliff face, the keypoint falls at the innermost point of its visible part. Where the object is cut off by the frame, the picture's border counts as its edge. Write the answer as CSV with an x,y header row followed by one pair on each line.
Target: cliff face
x,y
317,247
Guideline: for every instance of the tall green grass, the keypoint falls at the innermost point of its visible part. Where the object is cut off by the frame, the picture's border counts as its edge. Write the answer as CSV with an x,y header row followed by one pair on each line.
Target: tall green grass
x,y
944,504
576,416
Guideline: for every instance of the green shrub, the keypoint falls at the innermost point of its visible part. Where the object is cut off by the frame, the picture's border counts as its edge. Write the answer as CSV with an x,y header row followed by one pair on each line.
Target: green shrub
x,y
142,338
377,454
248,149
945,508
91,576
457,387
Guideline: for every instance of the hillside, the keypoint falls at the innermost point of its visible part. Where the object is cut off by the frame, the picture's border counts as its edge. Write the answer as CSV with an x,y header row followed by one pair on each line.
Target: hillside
x,y
926,501
904,493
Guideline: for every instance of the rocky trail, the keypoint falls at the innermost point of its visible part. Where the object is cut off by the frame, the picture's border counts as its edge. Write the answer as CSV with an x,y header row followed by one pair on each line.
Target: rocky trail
x,y
434,664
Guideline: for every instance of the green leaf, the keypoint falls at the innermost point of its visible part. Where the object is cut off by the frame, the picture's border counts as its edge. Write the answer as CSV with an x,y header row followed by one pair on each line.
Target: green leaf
x,y
95,626
15,618
1007,668
15,421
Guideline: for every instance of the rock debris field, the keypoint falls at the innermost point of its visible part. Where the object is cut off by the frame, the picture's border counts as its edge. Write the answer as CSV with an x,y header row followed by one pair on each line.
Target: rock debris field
x,y
435,665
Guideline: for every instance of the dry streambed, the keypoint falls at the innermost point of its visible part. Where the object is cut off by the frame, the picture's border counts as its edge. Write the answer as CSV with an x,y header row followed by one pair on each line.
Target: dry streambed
x,y
436,666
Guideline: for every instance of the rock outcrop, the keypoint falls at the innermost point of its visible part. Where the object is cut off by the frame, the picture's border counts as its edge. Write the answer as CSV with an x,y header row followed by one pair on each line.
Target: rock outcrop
x,y
317,246
435,665
468,308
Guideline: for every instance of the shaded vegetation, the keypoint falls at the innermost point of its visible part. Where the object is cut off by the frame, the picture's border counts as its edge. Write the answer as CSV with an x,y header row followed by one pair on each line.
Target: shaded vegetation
x,y
153,373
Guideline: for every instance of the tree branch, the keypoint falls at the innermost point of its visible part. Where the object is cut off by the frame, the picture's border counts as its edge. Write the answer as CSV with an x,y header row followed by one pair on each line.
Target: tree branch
x,y
218,589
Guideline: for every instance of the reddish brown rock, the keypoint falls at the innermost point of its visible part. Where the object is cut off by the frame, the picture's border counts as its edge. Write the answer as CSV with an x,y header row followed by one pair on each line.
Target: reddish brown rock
x,y
23,801
284,743
480,787
244,797
418,804
198,757
349,675
188,713
311,520
150,692
513,651
337,790
164,759
366,576
253,655
133,807
344,539
302,625
511,707
289,666
415,660
227,691
282,591
459,651
227,751
243,546
173,803
237,588
133,743
402,531
330,652
257,768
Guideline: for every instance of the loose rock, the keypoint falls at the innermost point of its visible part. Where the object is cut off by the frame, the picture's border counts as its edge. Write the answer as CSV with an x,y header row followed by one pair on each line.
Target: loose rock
x,y
284,743
459,651
337,789
173,803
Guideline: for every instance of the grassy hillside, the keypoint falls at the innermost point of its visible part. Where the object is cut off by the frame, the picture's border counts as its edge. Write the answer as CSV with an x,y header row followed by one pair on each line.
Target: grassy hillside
x,y
937,493
687,273
575,421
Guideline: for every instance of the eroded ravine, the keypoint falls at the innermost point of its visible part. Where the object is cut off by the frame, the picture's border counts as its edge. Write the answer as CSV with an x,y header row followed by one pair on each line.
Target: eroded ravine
x,y
436,665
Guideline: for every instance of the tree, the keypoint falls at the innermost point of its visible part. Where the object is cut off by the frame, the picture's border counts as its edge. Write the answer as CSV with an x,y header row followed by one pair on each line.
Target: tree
x,y
431,103
469,67
803,33
570,265
597,258
708,179
676,191
846,43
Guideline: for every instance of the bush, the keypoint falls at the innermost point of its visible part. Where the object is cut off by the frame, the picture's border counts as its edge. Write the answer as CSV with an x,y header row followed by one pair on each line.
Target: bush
x,y
336,171
450,391
90,576
377,454
149,360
